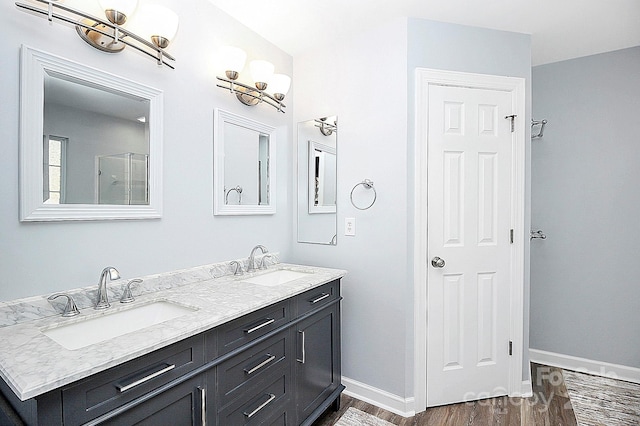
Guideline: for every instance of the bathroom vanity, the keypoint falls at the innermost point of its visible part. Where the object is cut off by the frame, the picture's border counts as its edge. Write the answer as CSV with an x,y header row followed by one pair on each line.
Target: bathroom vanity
x,y
251,351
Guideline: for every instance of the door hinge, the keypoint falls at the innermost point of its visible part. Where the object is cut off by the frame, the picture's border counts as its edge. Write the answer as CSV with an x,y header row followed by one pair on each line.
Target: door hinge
x,y
512,117
510,347
511,236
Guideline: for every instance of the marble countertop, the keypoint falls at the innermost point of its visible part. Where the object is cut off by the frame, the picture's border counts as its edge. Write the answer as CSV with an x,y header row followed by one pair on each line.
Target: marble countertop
x,y
32,364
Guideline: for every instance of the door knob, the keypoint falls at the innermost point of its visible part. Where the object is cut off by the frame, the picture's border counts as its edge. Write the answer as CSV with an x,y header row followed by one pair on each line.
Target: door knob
x,y
436,262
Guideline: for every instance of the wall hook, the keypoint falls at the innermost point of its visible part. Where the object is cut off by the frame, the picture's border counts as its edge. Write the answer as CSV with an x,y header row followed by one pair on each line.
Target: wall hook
x,y
540,123
537,234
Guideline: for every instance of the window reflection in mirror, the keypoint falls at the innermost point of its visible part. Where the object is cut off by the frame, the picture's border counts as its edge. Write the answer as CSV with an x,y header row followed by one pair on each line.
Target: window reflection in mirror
x,y
96,144
317,181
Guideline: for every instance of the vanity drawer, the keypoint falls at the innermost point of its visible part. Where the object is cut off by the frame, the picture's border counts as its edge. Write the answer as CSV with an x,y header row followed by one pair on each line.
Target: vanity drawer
x,y
102,392
243,330
263,404
280,420
317,297
240,372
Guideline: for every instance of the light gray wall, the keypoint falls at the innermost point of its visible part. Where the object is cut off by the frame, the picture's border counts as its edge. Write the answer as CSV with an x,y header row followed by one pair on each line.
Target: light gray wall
x,y
363,81
584,277
369,83
39,258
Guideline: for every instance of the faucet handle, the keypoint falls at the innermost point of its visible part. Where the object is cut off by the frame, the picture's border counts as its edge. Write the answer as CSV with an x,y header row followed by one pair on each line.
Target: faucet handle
x,y
238,267
70,309
263,261
127,295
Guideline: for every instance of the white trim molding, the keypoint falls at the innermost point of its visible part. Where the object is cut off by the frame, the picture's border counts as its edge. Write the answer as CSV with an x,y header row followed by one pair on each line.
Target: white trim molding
x,y
402,406
526,390
515,85
583,365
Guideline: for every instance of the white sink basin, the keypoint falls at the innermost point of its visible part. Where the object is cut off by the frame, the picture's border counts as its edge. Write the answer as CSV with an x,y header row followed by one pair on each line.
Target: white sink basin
x,y
98,329
276,277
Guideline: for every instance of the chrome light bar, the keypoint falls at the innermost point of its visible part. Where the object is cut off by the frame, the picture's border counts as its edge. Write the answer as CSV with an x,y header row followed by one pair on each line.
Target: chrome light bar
x,y
89,27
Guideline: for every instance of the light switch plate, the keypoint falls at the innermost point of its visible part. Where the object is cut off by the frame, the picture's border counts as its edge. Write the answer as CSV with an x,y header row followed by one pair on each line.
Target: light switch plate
x,y
350,226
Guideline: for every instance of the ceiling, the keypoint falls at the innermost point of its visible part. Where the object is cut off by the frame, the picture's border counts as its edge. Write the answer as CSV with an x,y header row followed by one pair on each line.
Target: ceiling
x,y
560,29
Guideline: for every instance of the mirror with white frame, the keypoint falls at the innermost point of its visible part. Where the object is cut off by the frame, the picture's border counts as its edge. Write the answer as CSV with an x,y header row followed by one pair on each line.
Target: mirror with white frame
x,y
90,143
317,181
244,165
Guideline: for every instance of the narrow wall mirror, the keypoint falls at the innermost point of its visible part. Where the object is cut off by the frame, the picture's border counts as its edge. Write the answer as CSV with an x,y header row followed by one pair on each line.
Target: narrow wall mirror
x,y
317,181
90,143
244,165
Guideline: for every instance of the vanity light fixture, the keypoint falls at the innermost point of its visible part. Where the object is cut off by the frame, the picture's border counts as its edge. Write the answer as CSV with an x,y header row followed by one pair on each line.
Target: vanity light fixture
x,y
156,24
268,87
325,127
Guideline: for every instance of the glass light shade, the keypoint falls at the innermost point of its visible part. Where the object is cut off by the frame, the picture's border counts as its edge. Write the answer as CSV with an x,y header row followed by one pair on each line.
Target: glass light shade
x,y
280,84
233,58
153,20
261,71
126,7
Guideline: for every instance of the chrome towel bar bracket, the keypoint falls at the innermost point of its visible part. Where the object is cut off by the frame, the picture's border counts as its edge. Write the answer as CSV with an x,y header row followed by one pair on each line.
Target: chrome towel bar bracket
x,y
537,234
540,123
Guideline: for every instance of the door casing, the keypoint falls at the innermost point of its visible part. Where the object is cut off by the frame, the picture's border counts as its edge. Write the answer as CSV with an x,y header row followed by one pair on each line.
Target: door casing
x,y
516,86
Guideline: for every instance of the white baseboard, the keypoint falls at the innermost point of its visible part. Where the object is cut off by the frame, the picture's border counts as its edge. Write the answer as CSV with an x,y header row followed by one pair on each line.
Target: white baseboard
x,y
402,406
526,390
583,365
379,398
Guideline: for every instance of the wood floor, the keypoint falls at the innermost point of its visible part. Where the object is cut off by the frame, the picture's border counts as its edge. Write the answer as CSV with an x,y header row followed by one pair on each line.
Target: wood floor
x,y
549,406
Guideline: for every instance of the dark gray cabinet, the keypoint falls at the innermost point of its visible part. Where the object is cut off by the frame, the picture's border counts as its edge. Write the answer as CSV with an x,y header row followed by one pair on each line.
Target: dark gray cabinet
x,y
317,368
255,384
182,405
101,393
317,372
279,365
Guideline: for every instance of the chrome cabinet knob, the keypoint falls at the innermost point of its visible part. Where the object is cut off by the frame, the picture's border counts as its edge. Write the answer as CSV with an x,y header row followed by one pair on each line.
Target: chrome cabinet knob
x,y
436,262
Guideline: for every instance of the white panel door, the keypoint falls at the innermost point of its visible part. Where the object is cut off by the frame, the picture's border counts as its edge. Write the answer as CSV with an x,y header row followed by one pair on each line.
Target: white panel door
x,y
469,221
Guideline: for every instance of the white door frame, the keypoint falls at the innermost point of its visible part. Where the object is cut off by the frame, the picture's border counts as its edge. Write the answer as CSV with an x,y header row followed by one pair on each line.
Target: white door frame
x,y
424,79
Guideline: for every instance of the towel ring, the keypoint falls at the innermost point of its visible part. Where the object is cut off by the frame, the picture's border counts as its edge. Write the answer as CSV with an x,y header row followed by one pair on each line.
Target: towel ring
x,y
367,184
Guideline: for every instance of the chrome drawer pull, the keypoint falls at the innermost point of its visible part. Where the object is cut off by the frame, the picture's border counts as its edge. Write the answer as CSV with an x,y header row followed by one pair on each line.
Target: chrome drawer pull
x,y
262,364
124,388
319,298
261,406
258,327
203,407
304,355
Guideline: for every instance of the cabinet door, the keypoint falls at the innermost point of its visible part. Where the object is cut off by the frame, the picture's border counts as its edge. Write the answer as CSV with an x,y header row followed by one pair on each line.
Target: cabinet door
x,y
317,360
182,405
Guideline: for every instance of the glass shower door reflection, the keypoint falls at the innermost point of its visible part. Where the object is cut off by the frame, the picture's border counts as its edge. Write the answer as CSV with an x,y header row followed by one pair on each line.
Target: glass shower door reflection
x,y
123,179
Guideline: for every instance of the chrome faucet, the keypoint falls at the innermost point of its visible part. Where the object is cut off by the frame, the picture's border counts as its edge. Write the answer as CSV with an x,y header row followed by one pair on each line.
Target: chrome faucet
x,y
237,267
70,309
102,301
252,261
127,294
263,261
